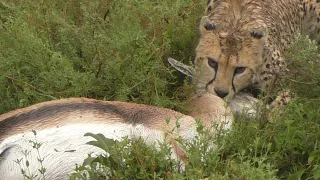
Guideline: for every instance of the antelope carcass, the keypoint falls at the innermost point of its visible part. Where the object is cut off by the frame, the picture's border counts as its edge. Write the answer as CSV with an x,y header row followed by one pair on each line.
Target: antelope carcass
x,y
60,126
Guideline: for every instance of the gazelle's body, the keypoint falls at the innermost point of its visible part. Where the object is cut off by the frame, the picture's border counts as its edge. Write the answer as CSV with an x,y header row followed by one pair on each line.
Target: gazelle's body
x,y
60,126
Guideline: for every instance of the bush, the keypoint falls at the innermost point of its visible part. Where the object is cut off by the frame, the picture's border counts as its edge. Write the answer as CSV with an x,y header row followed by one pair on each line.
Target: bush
x,y
118,50
135,160
112,50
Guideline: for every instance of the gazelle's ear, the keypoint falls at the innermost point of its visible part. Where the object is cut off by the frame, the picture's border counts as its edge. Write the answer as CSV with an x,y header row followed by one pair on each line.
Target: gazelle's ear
x,y
184,69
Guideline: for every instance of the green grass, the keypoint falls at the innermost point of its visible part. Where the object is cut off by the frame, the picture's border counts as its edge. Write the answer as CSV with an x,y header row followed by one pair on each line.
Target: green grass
x,y
118,50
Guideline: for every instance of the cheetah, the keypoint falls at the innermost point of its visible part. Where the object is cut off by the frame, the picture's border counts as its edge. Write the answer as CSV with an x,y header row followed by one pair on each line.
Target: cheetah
x,y
242,43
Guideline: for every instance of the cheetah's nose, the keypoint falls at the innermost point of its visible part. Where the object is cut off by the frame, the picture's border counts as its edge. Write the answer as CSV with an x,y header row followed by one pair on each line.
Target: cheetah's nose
x,y
220,93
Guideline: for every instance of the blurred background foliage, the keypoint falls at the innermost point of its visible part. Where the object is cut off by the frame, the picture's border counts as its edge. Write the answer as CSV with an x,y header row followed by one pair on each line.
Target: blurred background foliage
x,y
111,50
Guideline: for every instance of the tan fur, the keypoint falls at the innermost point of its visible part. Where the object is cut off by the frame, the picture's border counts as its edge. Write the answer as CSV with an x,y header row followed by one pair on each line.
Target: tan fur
x,y
156,115
253,34
211,110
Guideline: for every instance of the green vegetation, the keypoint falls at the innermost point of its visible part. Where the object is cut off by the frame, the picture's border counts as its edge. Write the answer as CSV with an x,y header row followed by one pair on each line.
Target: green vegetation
x,y
112,50
117,50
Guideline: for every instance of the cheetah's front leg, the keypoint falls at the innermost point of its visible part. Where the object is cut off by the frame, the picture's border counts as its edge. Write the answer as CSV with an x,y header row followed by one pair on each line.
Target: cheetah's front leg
x,y
281,100
273,69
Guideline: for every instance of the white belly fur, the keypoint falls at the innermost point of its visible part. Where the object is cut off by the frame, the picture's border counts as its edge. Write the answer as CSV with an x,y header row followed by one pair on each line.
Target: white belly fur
x,y
64,147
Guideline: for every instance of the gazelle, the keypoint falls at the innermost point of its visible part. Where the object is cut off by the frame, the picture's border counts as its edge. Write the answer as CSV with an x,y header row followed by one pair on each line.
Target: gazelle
x,y
61,125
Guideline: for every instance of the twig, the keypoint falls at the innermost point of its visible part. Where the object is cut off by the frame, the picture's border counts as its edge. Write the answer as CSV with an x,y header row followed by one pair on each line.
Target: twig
x,y
308,83
35,88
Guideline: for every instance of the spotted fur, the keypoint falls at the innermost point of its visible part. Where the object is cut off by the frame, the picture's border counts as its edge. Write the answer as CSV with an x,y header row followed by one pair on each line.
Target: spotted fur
x,y
242,43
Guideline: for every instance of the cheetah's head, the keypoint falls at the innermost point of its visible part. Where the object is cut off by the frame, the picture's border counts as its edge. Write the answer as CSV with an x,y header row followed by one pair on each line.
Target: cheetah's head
x,y
228,60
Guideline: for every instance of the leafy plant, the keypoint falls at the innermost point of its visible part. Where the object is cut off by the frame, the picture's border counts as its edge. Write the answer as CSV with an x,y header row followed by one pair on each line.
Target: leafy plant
x,y
112,50
118,50
25,172
127,159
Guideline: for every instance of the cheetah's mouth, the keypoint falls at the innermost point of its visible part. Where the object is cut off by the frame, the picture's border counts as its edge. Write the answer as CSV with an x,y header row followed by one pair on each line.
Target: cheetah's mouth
x,y
251,90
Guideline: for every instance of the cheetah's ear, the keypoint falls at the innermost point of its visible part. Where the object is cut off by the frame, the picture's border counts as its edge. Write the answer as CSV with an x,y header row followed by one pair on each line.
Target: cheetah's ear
x,y
184,69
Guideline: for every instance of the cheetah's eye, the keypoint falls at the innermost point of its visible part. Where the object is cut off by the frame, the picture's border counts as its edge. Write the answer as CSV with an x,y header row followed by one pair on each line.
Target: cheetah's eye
x,y
239,70
257,35
210,27
212,63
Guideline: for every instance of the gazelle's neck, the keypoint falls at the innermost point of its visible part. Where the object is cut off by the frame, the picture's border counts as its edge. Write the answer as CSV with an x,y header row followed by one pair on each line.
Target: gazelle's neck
x,y
210,109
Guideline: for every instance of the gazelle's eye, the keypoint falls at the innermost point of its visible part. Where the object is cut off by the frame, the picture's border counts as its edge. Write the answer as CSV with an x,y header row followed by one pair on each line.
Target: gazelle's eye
x,y
239,70
212,63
